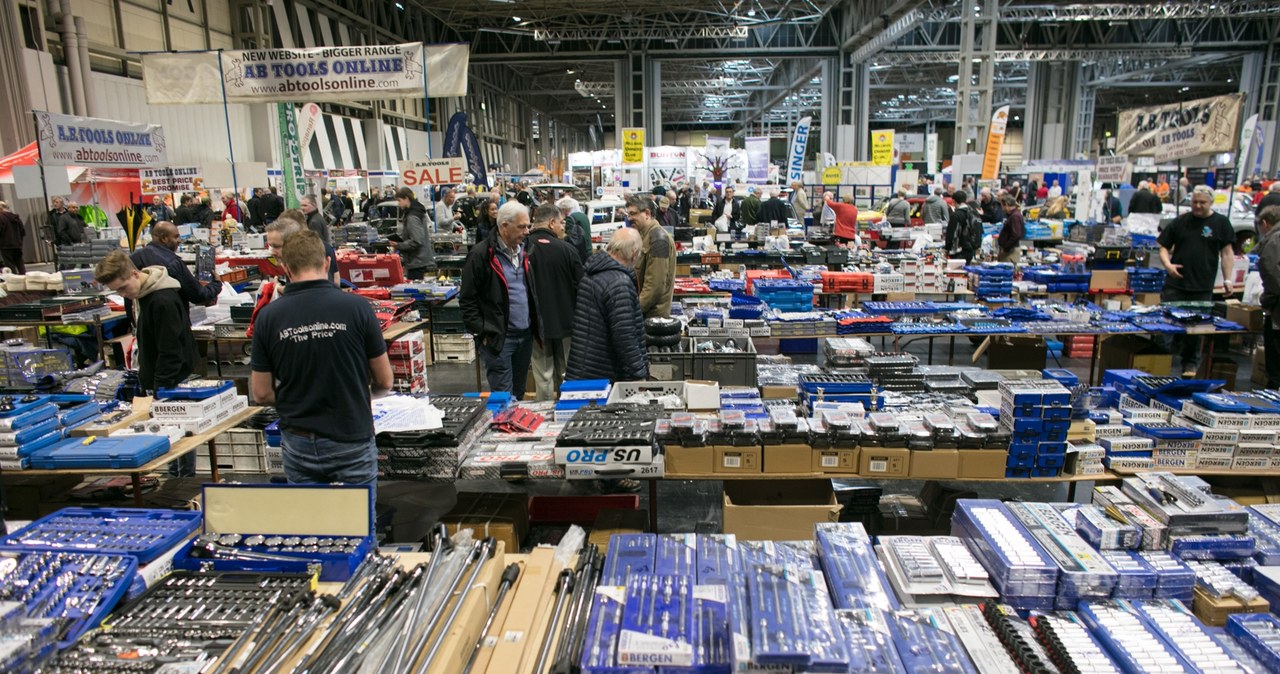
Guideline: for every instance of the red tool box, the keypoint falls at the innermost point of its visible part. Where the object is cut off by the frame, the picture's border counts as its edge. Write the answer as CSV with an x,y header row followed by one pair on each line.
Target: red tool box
x,y
371,270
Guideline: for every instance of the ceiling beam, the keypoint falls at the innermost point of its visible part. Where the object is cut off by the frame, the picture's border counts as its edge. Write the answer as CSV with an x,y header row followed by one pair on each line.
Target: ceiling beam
x,y
662,55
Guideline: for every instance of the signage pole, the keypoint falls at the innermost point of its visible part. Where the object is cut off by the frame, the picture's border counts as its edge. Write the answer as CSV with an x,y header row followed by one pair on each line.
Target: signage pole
x,y
44,187
426,115
226,116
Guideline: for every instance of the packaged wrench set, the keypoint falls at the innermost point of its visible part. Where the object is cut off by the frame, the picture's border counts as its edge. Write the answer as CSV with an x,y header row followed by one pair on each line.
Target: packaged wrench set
x,y
1084,574
437,454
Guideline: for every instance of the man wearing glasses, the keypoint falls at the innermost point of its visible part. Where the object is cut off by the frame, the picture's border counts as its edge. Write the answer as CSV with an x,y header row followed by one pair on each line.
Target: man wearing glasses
x,y
497,301
656,270
1192,248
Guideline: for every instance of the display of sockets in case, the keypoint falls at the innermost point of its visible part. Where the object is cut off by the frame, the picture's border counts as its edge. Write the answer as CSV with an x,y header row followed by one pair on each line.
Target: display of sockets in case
x,y
1020,569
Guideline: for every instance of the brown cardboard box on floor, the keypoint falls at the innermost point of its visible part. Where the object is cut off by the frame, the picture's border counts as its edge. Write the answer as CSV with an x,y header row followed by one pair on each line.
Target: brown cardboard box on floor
x,y
689,460
884,462
835,461
1146,299
736,460
613,521
504,516
788,459
935,464
778,510
1123,352
982,463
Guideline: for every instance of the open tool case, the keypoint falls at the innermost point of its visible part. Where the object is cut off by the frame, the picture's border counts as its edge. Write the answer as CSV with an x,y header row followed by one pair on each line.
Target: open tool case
x,y
304,512
75,590
141,533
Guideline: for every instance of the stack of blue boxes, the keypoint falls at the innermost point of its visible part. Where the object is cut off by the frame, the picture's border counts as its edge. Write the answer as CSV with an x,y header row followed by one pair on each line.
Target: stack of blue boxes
x,y
1146,279
991,280
1037,414
787,295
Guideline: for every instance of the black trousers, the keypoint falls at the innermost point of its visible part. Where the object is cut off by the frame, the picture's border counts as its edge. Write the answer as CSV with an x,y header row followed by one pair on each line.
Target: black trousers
x,y
13,260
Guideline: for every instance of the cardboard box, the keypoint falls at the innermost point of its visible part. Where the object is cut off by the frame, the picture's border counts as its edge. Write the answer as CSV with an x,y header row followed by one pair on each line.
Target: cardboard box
x,y
614,521
778,392
788,459
689,460
1009,352
473,605
1108,280
884,462
1259,375
1248,315
502,516
936,464
516,651
778,510
835,461
736,460
1113,301
982,464
1133,352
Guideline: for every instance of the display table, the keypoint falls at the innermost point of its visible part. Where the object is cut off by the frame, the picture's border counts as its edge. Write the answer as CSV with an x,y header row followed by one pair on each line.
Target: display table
x,y
178,449
96,324
391,334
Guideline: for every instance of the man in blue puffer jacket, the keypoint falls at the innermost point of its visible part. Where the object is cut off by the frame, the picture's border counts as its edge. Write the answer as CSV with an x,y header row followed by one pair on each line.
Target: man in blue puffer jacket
x,y
608,329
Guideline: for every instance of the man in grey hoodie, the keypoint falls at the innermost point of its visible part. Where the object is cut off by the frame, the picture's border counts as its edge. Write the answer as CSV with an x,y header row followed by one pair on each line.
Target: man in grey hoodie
x,y
415,247
935,208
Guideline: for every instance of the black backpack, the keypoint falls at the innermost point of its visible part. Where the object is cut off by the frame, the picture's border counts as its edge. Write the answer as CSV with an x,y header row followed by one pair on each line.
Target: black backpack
x,y
968,229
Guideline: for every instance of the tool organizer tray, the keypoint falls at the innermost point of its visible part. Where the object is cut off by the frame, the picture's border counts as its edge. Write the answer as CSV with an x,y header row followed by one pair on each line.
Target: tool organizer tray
x,y
141,533
77,590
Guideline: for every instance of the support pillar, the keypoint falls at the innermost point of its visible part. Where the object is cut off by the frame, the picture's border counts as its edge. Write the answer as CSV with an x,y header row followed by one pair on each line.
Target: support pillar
x,y
1269,112
976,81
1054,92
848,97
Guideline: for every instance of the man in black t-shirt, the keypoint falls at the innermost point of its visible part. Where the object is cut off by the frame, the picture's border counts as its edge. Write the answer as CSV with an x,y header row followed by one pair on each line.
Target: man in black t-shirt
x,y
1192,247
314,350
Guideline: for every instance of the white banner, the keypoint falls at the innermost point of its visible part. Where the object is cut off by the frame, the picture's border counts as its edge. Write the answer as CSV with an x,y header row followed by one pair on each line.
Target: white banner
x,y
1203,126
170,180
668,165
757,159
1246,147
433,172
66,140
931,154
308,120
302,75
1115,169
795,158
910,142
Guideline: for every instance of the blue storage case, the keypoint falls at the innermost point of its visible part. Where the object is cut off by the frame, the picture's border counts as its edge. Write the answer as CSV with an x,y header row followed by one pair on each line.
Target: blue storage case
x,y
76,413
29,416
19,437
22,405
97,584
106,530
125,451
195,390
287,510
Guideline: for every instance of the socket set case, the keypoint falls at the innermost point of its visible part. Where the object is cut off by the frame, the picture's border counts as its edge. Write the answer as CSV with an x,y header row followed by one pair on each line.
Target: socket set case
x,y
140,533
1101,531
980,641
1084,574
1184,509
130,451
251,516
1019,567
921,567
1188,636
1068,641
1260,635
1133,645
76,589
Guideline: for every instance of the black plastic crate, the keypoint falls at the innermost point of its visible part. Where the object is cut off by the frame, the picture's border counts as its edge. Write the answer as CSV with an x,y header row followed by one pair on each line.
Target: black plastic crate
x,y
730,369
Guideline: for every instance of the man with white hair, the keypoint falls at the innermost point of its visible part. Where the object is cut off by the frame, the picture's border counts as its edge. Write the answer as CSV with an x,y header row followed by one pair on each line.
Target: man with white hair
x,y
1272,198
1144,200
577,227
1193,247
498,303
608,327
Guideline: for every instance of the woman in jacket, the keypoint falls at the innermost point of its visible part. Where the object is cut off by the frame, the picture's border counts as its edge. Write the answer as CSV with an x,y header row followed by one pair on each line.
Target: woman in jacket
x,y
488,220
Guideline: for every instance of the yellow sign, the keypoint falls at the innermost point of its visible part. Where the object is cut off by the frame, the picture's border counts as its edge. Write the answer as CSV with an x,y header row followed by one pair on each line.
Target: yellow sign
x,y
832,176
995,143
633,146
882,147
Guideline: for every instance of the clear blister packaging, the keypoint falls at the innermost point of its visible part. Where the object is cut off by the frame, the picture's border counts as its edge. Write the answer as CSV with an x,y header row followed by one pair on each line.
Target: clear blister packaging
x,y
1218,581
1019,567
1266,537
850,566
1138,579
869,642
1173,621
1259,633
1182,507
1133,645
980,641
628,554
676,555
918,570
776,553
1067,640
657,621
1226,547
1100,530
718,559
926,643
1155,535
1175,579
1084,574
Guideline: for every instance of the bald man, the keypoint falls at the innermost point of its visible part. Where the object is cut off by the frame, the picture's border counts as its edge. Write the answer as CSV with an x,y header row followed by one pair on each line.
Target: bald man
x,y
162,252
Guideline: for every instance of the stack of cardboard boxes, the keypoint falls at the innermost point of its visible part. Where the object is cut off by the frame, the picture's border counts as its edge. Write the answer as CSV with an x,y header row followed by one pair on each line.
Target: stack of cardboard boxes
x,y
409,361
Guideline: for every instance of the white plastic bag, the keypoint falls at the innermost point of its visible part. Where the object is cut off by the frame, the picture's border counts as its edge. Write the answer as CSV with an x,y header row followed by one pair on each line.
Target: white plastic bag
x,y
1252,288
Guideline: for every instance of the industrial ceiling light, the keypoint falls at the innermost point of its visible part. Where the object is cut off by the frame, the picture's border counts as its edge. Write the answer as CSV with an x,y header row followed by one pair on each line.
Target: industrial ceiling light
x,y
516,19
751,12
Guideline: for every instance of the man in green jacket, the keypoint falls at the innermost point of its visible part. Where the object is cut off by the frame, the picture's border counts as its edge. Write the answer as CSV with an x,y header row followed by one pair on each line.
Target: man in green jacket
x,y
656,270
751,208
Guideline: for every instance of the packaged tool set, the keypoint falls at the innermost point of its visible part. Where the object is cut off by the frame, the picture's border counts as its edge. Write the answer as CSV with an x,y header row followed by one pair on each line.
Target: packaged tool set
x,y
142,534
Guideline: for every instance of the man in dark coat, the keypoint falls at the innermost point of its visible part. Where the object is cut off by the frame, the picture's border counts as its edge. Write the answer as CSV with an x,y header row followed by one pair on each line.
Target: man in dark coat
x,y
556,272
270,206
162,252
772,209
498,304
12,234
70,227
185,214
608,328
315,218
1144,200
416,247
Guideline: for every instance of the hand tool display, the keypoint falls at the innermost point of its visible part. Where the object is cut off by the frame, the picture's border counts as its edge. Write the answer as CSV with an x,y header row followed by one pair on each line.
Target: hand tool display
x,y
925,642
74,590
572,630
436,454
849,563
509,576
657,621
1173,622
1069,645
144,534
1020,568
1083,574
981,642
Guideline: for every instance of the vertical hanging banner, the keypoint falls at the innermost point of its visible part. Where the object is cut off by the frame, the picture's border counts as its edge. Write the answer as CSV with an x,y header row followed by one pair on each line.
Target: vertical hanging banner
x,y
1259,147
632,146
931,154
461,141
882,147
757,159
293,184
995,143
1246,147
360,72
799,144
308,120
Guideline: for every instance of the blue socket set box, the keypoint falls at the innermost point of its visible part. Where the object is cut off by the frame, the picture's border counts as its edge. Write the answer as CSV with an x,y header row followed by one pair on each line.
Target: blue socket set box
x,y
1134,645
196,389
1226,547
1084,573
1138,579
629,554
718,560
273,528
1155,535
851,568
1070,645
1174,579
1188,636
125,451
1098,528
1025,575
141,533
1266,535
792,622
1259,633
76,590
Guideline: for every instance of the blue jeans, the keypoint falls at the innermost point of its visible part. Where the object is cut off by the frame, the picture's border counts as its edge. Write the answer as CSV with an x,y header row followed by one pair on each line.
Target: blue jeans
x,y
508,369
320,460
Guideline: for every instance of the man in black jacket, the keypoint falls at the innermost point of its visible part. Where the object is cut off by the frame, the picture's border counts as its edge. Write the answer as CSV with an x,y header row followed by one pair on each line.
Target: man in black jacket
x,y
315,219
1144,200
415,245
12,234
270,206
498,304
161,252
185,213
730,207
608,328
166,348
556,272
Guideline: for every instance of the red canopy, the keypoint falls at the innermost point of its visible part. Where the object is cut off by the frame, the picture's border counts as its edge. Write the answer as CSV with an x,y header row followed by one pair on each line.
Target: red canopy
x,y
24,157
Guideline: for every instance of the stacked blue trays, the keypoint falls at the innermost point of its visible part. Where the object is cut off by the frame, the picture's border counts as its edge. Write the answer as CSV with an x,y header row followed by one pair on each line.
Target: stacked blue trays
x,y
142,533
992,280
1025,575
845,388
785,294
1036,230
1037,414
900,308
727,284
745,306
1146,280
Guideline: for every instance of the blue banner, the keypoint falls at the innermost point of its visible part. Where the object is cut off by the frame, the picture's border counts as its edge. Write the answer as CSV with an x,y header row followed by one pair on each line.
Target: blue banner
x,y
461,141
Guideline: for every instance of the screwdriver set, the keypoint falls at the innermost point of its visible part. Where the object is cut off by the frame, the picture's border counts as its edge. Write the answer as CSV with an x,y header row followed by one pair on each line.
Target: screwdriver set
x,y
144,534
1260,635
75,590
789,623
657,621
852,572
